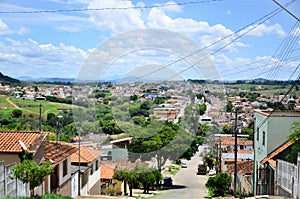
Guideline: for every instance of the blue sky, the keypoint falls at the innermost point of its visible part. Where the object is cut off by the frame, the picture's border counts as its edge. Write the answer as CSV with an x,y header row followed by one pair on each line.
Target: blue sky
x,y
57,44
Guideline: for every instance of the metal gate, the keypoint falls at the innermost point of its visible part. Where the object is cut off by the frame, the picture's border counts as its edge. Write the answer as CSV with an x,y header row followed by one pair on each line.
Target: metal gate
x,y
262,181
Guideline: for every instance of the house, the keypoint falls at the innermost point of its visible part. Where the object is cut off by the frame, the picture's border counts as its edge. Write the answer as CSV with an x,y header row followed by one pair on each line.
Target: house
x,y
166,114
87,160
13,146
270,170
271,130
107,181
60,182
244,175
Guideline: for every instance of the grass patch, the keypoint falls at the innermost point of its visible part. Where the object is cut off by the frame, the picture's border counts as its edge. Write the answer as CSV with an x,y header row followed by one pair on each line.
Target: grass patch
x,y
30,106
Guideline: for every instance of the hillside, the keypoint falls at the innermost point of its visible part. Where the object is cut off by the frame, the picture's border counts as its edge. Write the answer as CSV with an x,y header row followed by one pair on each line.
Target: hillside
x,y
8,80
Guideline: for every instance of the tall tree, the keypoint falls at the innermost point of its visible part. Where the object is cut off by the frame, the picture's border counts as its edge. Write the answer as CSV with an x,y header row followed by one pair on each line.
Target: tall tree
x,y
169,142
128,176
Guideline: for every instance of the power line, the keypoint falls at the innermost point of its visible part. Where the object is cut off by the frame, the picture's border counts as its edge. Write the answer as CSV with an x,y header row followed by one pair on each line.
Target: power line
x,y
108,8
267,16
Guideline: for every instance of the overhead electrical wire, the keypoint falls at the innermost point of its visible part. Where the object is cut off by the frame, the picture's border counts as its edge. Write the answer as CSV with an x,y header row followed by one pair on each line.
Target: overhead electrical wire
x,y
264,18
108,8
289,44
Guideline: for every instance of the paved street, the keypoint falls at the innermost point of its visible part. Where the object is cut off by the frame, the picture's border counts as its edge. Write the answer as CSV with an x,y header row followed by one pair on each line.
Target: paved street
x,y
186,183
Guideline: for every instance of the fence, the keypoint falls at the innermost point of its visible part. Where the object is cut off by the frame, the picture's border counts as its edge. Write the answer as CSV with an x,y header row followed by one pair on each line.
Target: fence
x,y
287,180
10,186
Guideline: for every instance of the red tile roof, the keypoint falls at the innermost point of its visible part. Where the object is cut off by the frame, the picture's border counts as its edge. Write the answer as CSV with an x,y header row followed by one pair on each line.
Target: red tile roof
x,y
229,141
107,171
10,141
57,152
277,151
244,167
87,155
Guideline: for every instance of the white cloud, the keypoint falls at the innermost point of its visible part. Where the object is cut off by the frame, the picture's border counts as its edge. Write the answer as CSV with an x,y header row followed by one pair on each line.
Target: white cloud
x,y
33,59
264,29
68,29
116,20
4,29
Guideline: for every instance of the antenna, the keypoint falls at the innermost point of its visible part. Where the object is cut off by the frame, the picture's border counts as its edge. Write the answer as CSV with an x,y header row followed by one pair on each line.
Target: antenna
x,y
22,145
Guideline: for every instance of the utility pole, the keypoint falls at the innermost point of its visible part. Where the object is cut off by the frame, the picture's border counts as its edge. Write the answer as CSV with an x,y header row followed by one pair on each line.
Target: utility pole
x,y
235,153
40,117
236,109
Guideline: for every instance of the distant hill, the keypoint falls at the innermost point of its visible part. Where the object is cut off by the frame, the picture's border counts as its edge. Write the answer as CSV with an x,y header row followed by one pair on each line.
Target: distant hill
x,y
8,80
46,79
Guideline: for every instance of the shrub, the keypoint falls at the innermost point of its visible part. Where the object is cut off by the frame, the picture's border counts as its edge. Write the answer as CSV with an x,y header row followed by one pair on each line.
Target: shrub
x,y
219,185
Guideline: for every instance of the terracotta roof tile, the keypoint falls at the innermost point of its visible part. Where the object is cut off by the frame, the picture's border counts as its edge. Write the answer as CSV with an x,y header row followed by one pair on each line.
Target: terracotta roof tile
x,y
107,171
229,141
57,152
9,141
277,151
87,155
244,167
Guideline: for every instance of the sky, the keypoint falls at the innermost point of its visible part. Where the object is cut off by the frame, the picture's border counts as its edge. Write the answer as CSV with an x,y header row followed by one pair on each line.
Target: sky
x,y
117,39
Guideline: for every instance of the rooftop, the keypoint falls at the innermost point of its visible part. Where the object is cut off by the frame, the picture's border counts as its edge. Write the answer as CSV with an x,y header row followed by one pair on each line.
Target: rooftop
x,y
15,141
58,152
275,113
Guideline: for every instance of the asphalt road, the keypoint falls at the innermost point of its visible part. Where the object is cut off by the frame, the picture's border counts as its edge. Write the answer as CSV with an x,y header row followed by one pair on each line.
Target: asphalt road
x,y
187,185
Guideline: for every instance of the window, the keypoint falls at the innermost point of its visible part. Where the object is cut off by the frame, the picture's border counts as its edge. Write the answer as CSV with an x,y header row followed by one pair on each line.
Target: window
x,y
65,168
92,170
257,133
97,165
264,138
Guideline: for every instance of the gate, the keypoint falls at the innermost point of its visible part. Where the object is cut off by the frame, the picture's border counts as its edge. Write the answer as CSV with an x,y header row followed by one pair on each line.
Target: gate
x,y
262,181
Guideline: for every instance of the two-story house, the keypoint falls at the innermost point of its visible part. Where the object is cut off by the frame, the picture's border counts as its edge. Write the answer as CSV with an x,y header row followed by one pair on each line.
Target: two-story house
x,y
271,131
60,181
88,160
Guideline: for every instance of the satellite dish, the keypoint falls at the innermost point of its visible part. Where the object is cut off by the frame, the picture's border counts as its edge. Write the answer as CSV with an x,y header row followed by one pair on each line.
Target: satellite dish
x,y
22,145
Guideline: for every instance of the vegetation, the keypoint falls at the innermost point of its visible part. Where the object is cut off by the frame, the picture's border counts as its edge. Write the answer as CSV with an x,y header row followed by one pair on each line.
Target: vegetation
x,y
219,185
28,171
139,174
294,137
162,141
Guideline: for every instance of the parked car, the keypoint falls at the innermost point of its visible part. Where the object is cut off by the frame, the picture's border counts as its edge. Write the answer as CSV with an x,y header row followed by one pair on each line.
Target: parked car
x,y
202,169
183,165
168,182
212,172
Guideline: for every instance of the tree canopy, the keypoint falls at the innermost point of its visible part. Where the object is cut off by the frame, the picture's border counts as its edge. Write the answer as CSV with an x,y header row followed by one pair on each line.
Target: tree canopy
x,y
28,171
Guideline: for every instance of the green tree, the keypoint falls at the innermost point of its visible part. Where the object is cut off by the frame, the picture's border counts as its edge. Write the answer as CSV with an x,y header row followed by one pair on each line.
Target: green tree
x,y
128,176
219,185
201,109
147,177
28,171
294,137
16,113
168,142
229,106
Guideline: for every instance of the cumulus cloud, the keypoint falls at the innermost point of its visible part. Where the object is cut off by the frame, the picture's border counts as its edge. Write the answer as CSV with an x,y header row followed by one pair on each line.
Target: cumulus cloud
x,y
4,29
31,58
116,20
264,29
